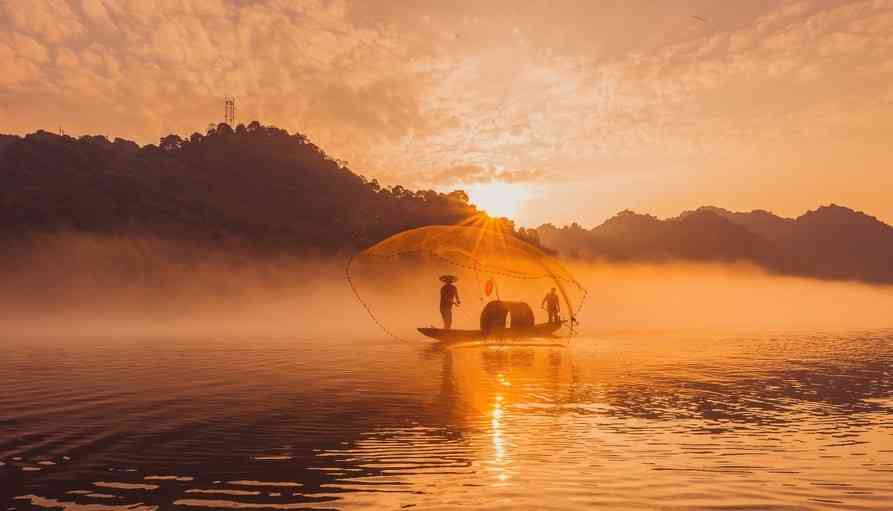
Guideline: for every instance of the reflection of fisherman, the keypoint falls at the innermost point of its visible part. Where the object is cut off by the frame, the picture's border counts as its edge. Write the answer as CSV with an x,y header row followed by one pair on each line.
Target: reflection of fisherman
x,y
449,296
550,303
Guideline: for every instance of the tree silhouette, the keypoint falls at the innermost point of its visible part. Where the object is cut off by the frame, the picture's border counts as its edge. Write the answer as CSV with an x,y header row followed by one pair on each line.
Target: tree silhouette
x,y
256,184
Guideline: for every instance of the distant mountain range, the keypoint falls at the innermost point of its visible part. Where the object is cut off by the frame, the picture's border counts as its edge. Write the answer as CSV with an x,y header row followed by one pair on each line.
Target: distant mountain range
x,y
832,242
262,188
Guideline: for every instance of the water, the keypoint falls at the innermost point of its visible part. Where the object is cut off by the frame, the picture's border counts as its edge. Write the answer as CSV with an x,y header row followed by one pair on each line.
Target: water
x,y
784,421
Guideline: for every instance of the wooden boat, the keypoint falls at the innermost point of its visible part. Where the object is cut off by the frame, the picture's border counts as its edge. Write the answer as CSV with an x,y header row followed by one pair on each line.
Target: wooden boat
x,y
541,330
502,323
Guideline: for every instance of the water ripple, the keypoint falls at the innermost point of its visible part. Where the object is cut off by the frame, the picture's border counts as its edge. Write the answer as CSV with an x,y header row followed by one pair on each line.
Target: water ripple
x,y
764,422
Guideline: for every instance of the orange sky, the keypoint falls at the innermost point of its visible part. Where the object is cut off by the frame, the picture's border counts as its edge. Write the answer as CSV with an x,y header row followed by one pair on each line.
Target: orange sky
x,y
593,106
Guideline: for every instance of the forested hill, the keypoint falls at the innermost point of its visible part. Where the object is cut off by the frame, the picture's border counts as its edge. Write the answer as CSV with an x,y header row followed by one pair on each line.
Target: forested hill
x,y
253,185
261,188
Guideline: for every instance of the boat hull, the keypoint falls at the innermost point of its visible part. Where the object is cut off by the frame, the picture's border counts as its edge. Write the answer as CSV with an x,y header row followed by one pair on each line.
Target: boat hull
x,y
536,331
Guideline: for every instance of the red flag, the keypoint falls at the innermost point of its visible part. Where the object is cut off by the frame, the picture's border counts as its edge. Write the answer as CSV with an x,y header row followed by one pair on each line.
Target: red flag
x,y
488,287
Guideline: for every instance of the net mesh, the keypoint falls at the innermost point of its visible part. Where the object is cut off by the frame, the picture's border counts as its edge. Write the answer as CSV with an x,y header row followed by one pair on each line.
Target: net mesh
x,y
398,280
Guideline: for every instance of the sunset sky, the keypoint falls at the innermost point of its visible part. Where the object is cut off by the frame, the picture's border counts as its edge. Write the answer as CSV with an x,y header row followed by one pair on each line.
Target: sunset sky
x,y
578,109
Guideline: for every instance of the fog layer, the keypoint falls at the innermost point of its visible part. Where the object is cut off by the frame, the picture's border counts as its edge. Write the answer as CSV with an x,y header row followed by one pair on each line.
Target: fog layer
x,y
76,285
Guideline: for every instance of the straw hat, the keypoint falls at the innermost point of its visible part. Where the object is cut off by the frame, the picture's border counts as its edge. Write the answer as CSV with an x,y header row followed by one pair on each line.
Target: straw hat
x,y
449,279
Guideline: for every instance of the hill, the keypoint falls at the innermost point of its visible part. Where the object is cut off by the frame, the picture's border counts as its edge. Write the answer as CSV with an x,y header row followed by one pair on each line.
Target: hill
x,y
252,185
831,242
262,188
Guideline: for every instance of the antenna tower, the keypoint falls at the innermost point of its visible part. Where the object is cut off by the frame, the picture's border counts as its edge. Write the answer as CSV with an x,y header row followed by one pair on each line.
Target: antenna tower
x,y
229,110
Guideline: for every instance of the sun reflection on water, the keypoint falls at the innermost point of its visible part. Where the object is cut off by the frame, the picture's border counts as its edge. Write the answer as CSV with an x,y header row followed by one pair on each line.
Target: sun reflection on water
x,y
498,440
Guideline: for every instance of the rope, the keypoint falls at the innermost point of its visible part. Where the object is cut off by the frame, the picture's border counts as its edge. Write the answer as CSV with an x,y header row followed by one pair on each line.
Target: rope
x,y
363,302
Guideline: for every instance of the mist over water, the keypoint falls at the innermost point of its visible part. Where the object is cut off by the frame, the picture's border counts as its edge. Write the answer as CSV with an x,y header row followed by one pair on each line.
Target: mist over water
x,y
176,377
693,296
82,285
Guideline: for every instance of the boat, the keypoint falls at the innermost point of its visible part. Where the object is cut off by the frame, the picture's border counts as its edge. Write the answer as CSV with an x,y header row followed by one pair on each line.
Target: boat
x,y
500,321
538,330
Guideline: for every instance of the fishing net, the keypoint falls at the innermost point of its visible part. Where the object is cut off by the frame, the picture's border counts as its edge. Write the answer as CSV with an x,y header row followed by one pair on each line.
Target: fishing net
x,y
399,280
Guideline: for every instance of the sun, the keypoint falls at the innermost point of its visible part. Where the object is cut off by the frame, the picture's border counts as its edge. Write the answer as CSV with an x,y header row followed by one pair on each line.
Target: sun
x,y
498,198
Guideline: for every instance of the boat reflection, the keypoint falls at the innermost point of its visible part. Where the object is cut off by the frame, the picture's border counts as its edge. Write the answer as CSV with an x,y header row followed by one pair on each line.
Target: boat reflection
x,y
487,387
475,378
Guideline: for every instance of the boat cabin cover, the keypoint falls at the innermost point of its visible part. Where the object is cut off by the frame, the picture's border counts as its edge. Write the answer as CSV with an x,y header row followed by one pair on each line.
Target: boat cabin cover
x,y
497,315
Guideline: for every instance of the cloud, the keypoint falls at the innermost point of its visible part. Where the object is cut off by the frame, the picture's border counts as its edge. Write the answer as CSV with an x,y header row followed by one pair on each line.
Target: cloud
x,y
469,174
97,13
168,63
522,176
52,20
462,174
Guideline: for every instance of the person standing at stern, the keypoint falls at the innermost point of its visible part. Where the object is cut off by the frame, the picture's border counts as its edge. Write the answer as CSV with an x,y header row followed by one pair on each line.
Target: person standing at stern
x,y
449,296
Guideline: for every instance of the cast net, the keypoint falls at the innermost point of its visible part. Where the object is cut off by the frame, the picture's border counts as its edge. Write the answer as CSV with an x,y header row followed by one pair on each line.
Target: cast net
x,y
399,280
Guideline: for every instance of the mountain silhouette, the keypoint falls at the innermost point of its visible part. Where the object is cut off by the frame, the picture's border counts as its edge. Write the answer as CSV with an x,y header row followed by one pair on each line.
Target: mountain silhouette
x,y
263,188
701,235
839,243
832,242
253,185
760,222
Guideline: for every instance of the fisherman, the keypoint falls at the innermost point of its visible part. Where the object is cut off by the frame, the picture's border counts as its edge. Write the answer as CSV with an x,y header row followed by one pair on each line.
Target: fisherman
x,y
449,296
551,305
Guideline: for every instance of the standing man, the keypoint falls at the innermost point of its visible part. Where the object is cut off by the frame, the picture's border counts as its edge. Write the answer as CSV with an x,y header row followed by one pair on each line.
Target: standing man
x,y
449,296
552,306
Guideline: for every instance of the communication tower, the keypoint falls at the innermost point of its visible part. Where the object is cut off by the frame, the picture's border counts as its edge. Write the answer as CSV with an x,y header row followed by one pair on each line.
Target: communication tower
x,y
229,110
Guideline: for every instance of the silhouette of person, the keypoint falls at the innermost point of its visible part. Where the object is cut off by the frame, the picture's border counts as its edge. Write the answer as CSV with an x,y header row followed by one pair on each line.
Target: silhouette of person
x,y
552,306
449,296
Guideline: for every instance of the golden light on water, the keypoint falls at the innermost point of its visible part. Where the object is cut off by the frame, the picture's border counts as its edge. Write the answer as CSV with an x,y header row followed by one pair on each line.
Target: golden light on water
x,y
498,440
634,424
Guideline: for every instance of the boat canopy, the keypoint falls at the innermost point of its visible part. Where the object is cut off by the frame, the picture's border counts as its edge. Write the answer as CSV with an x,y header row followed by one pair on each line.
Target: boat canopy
x,y
498,314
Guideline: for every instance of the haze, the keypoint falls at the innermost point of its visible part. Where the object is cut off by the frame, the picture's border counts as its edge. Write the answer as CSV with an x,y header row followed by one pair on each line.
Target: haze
x,y
588,108
91,286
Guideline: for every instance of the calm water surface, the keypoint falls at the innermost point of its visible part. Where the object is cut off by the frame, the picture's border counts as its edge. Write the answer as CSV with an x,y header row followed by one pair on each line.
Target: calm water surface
x,y
784,421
